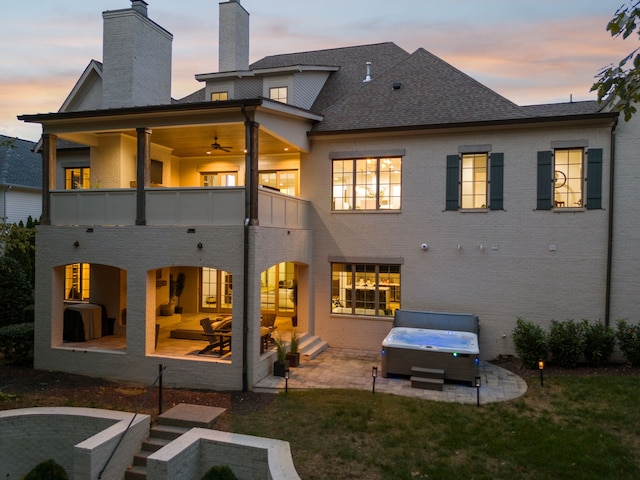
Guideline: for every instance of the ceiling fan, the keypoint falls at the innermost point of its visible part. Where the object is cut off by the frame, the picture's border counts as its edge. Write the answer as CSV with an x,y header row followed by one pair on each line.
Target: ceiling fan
x,y
216,146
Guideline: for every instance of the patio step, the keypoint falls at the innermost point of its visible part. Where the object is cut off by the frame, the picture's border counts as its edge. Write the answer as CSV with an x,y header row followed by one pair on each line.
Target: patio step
x,y
312,347
427,378
169,426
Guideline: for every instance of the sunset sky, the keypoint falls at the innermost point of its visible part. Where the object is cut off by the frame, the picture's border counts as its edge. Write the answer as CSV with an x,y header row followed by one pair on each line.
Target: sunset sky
x,y
530,51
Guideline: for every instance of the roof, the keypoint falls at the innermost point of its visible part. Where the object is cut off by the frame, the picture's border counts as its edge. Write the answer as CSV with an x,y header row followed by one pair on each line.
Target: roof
x,y
352,62
19,165
569,108
428,91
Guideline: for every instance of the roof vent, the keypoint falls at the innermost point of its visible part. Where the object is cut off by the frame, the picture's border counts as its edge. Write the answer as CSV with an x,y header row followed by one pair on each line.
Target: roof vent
x,y
396,85
368,77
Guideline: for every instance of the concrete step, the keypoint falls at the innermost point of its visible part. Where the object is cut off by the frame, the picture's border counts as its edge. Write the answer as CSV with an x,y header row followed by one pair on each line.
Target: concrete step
x,y
427,372
427,383
154,444
169,432
315,348
136,472
140,458
189,416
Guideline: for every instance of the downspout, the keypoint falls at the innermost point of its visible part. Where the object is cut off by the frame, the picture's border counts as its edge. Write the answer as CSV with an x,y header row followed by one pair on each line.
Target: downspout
x,y
251,219
612,156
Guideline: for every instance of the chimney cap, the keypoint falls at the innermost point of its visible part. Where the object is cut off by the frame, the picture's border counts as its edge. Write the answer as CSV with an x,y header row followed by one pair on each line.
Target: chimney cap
x,y
140,6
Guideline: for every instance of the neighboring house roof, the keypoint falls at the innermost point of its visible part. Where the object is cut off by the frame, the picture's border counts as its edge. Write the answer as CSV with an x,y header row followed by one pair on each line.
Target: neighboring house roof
x,y
195,97
353,67
19,165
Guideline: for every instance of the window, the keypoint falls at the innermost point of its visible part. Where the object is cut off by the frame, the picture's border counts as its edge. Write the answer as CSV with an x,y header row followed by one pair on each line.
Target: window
x,y
286,181
155,172
75,178
220,179
219,96
365,289
76,281
474,181
216,288
367,184
278,288
561,179
279,94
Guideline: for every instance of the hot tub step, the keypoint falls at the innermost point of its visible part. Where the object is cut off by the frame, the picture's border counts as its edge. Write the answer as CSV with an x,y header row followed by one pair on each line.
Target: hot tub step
x,y
427,383
427,372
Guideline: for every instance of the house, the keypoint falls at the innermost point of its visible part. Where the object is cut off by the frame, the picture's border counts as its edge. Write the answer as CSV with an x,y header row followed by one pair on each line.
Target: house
x,y
329,188
20,180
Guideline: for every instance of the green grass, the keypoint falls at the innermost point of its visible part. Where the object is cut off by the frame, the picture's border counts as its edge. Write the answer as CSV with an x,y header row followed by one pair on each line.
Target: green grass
x,y
573,428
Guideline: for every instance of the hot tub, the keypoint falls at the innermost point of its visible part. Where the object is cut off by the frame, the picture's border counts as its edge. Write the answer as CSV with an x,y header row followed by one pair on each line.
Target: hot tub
x,y
453,351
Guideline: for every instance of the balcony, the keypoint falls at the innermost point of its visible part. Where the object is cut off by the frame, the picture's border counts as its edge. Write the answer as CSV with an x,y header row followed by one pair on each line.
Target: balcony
x,y
176,206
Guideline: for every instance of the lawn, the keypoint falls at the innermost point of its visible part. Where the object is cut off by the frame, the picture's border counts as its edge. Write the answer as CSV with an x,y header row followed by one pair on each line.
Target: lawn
x,y
573,427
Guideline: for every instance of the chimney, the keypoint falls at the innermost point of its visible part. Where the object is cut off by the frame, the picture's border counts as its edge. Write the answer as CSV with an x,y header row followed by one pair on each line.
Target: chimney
x,y
233,43
136,59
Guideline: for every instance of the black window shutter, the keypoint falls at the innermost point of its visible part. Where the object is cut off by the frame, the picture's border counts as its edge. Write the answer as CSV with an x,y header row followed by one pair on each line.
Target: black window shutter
x,y
594,178
545,181
453,182
497,181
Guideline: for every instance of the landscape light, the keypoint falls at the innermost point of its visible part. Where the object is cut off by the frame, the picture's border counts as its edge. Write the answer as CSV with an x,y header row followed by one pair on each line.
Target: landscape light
x,y
374,374
541,368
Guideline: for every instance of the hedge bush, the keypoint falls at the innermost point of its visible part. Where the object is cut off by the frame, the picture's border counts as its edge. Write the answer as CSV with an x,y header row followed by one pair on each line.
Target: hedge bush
x,y
47,470
16,343
566,342
599,342
219,472
628,337
530,341
16,293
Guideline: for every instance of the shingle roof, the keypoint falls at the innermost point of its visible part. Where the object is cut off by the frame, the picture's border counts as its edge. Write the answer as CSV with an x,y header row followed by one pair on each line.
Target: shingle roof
x,y
432,92
352,62
19,165
560,109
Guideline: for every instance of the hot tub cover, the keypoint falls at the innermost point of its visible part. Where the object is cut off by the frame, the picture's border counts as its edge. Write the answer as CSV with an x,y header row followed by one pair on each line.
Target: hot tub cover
x,y
447,341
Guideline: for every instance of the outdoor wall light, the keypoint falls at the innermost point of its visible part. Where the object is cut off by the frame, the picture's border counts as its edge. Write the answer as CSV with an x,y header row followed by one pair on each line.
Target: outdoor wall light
x,y
374,374
199,245
76,244
541,368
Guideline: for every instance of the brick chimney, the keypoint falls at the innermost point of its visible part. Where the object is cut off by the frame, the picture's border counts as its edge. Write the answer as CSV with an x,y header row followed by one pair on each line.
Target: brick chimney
x,y
136,57
233,43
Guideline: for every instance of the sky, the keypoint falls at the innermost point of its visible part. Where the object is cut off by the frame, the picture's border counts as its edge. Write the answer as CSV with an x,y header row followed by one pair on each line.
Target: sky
x,y
530,51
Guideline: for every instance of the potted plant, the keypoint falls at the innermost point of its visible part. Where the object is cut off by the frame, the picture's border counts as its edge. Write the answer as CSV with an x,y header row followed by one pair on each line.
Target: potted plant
x,y
178,291
294,354
167,309
281,363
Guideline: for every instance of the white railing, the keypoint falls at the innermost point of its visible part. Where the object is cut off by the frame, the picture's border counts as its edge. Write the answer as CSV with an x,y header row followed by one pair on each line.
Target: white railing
x,y
176,206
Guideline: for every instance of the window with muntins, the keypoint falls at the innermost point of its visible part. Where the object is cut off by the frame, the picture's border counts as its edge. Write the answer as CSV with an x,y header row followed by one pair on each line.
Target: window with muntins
x,y
367,184
474,181
562,181
279,94
286,181
216,290
76,178
365,289
219,96
76,281
219,179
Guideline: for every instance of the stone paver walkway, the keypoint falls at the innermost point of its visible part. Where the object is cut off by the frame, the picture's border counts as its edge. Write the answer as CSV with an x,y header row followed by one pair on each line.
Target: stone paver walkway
x,y
344,368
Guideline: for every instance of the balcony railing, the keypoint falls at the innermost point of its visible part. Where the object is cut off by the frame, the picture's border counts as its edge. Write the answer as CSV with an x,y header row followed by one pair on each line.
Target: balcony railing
x,y
176,206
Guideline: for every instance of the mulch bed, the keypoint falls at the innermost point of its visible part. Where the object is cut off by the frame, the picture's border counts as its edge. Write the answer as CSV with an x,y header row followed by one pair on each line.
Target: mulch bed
x,y
514,364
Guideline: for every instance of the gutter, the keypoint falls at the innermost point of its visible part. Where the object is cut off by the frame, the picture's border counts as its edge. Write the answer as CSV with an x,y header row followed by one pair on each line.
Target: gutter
x,y
612,156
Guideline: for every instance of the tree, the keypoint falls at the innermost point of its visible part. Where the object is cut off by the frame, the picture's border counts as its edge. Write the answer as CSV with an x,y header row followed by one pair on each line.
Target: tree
x,y
622,80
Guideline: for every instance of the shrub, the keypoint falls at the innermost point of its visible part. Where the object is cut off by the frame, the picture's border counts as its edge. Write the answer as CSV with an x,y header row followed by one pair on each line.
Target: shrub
x,y
599,342
530,341
47,470
219,472
628,337
566,342
16,343
15,292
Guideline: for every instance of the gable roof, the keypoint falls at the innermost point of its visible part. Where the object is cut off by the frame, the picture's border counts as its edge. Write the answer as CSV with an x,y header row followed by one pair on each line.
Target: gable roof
x,y
352,62
19,165
86,94
431,92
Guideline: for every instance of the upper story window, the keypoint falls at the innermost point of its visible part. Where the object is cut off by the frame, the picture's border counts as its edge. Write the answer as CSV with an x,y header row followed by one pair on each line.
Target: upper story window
x,y
286,181
279,94
474,181
562,182
367,184
219,96
365,289
75,178
219,179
